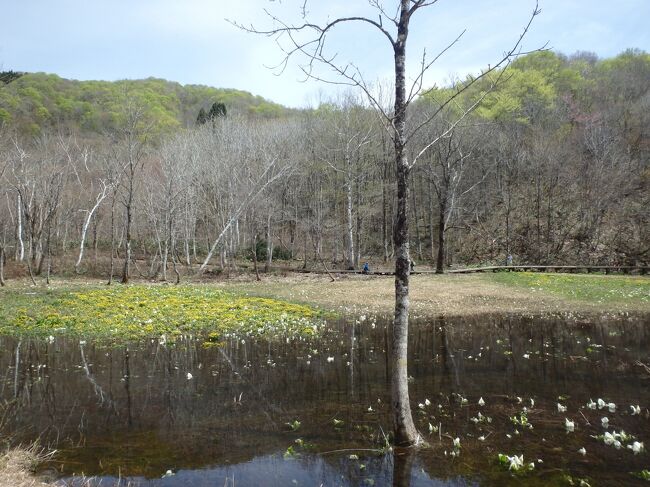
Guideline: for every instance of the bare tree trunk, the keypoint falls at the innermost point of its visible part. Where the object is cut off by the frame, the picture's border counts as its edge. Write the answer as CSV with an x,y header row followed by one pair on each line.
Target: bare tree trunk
x,y
357,258
127,244
164,256
417,223
49,257
112,263
21,244
174,259
403,426
304,264
384,221
30,271
269,244
349,223
431,219
254,252
95,241
440,261
2,265
84,230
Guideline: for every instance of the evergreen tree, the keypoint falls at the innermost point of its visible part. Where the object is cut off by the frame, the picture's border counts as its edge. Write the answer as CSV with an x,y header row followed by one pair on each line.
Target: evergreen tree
x,y
217,110
202,117
7,77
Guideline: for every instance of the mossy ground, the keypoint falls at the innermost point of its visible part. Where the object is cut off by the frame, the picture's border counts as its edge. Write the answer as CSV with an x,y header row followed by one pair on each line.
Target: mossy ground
x,y
122,313
592,288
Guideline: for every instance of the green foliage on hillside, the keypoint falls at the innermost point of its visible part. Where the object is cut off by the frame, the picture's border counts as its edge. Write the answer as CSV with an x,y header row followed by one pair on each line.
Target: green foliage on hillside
x,y
545,81
37,101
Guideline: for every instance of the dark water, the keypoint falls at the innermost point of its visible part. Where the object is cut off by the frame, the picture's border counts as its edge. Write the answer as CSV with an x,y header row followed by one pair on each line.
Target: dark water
x,y
132,413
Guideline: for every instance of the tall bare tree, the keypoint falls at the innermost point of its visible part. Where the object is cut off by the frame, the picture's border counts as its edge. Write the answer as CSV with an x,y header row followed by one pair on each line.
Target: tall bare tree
x,y
131,146
310,40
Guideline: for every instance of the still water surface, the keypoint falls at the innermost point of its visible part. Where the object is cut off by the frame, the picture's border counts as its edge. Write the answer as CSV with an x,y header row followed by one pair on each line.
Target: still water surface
x,y
253,412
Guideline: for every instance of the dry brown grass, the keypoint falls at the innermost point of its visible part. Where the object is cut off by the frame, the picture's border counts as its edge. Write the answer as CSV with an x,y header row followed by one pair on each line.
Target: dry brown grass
x,y
16,468
430,295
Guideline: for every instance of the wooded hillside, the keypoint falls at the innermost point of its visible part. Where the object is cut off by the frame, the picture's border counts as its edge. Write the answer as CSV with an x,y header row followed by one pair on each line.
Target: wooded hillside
x,y
35,103
552,167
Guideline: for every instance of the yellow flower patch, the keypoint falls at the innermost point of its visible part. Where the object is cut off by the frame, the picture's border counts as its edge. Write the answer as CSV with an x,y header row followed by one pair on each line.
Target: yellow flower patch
x,y
133,312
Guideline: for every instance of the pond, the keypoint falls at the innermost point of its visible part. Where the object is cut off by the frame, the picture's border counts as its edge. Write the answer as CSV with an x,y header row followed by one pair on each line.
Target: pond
x,y
295,412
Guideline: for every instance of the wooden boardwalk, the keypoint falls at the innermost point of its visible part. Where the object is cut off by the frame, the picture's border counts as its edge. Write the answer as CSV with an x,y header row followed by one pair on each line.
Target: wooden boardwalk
x,y
607,269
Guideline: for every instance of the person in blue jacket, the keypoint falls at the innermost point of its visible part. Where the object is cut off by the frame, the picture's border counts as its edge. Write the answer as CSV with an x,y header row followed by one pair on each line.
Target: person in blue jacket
x,y
366,268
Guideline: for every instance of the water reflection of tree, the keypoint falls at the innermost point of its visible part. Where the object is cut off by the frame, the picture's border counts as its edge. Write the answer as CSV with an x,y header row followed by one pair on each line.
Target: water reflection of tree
x,y
199,420
402,467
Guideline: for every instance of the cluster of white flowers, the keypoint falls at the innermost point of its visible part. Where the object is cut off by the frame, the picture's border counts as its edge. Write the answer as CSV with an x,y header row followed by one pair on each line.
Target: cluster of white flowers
x,y
609,405
617,439
515,462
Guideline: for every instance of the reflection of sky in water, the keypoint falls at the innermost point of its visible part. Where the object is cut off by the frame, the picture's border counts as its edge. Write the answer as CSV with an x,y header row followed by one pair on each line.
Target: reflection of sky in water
x,y
275,471
133,410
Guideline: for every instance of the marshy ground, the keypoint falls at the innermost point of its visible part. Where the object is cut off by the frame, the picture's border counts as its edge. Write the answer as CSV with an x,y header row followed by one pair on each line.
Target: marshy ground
x,y
120,381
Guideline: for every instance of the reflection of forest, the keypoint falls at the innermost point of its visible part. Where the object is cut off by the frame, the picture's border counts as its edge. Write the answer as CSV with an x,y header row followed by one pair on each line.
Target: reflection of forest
x,y
134,409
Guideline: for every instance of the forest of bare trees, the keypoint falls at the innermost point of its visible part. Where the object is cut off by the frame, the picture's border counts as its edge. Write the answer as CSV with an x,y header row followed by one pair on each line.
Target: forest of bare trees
x,y
552,168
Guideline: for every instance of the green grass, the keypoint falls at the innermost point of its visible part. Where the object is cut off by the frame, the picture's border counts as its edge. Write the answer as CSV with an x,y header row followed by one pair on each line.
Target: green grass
x,y
122,313
596,289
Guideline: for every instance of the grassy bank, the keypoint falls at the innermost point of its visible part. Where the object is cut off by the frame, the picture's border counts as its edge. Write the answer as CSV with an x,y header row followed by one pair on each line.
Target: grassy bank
x,y
268,307
596,289
121,313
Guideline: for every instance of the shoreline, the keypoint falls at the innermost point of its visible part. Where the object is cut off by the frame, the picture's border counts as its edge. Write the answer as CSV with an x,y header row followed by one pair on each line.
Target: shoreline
x,y
431,296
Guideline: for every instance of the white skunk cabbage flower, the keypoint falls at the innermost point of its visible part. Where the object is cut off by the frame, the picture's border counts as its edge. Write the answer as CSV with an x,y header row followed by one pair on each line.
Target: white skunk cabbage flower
x,y
569,425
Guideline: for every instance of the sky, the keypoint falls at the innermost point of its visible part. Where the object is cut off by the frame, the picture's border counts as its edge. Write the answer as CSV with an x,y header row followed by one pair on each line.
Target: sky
x,y
192,42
